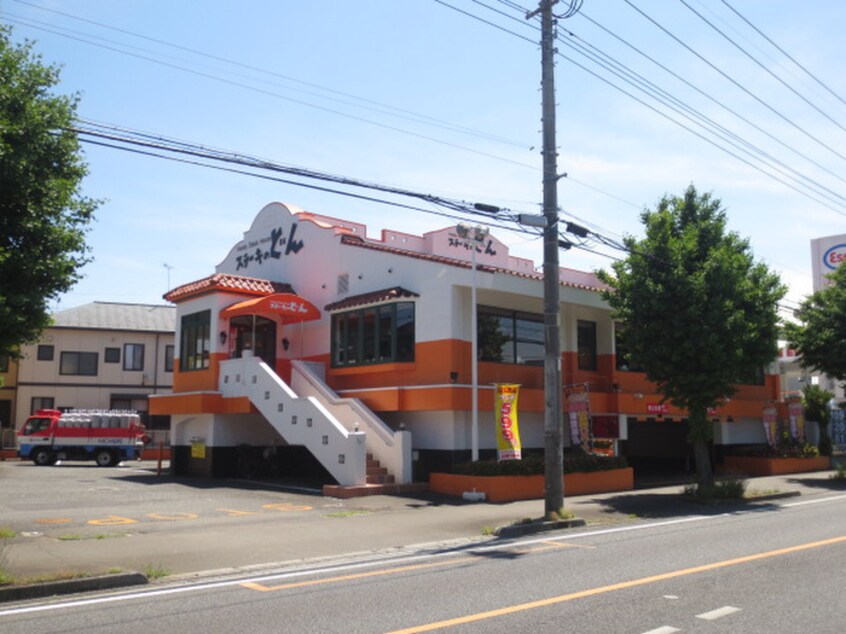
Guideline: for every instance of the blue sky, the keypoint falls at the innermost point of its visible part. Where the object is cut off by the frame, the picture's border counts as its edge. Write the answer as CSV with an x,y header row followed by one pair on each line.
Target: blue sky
x,y
343,87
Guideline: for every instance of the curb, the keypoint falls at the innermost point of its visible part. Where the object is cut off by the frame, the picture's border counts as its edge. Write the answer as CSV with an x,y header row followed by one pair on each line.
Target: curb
x,y
70,586
530,528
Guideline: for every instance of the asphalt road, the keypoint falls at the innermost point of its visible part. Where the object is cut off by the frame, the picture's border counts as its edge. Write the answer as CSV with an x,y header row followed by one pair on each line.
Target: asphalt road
x,y
779,567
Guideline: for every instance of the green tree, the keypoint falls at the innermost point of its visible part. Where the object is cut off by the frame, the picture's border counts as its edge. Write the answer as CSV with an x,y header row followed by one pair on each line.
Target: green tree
x,y
699,312
43,216
820,337
816,402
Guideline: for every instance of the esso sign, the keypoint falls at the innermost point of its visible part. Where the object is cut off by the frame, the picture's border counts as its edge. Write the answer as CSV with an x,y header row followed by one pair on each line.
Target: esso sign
x,y
835,256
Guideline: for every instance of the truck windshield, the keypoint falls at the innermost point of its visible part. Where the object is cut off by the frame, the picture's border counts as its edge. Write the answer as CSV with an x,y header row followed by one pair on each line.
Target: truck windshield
x,y
36,425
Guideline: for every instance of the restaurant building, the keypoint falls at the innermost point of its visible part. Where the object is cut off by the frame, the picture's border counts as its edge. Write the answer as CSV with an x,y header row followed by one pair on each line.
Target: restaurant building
x,y
315,348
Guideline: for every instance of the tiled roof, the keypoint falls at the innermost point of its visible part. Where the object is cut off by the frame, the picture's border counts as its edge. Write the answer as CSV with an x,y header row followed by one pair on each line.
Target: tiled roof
x,y
589,281
373,297
227,282
115,316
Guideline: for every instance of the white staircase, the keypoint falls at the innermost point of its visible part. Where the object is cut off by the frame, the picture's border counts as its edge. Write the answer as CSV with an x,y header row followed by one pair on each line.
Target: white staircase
x,y
299,420
390,449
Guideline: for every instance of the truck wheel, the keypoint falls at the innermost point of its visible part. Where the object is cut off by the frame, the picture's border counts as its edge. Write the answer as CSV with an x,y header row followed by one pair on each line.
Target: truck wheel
x,y
43,457
105,458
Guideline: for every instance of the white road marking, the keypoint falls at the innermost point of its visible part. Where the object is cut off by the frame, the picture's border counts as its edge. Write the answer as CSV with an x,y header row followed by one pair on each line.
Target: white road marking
x,y
664,629
718,613
129,596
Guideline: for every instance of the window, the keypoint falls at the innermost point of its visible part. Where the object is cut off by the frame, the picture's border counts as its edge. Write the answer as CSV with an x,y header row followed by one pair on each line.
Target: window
x,y
586,345
377,334
41,402
111,355
78,363
133,356
194,341
169,358
4,363
45,353
508,336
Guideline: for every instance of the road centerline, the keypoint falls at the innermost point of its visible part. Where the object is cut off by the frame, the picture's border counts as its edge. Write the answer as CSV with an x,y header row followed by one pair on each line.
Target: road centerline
x,y
590,592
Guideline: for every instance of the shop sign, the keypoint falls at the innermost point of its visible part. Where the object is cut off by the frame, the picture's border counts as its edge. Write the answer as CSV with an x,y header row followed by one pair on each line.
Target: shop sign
x,y
578,412
834,256
657,408
770,419
796,415
271,247
507,427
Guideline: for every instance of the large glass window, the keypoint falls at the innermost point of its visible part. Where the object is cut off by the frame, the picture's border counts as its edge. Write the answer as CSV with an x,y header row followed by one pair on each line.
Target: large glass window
x,y
195,343
78,363
377,334
586,345
508,336
133,356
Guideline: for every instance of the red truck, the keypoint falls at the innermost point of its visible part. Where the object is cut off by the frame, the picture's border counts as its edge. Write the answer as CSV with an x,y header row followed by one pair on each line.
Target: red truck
x,y
106,436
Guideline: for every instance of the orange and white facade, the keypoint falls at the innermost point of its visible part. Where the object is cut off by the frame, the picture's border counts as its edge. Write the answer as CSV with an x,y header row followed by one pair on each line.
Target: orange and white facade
x,y
314,341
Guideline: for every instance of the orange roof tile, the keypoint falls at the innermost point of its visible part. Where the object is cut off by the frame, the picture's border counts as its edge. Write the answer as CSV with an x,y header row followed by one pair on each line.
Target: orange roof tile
x,y
228,283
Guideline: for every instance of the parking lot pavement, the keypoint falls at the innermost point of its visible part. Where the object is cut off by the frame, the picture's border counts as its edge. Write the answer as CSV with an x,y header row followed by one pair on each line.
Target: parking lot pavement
x,y
77,517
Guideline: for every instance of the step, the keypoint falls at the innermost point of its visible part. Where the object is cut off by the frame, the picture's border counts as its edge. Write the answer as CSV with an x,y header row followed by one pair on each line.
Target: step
x,y
380,479
355,491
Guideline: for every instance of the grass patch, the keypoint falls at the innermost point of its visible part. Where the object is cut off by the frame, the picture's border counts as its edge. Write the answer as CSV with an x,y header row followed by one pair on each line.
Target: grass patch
x,y
488,531
7,533
725,489
76,537
155,571
840,474
347,513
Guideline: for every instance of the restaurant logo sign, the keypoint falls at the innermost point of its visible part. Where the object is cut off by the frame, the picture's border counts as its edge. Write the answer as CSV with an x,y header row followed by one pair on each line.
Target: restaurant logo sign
x,y
271,247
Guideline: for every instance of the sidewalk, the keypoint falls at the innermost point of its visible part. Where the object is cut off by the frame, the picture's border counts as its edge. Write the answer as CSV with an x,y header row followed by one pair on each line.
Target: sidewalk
x,y
367,525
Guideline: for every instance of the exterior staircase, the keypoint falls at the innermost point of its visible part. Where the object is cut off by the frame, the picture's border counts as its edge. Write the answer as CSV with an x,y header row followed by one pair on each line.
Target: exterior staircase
x,y
379,482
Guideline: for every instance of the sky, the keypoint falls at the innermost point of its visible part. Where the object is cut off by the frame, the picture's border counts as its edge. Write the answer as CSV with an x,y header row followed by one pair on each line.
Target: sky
x,y
444,98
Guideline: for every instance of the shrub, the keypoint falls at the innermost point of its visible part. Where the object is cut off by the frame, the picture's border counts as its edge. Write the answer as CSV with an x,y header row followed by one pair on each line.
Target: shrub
x,y
533,464
724,489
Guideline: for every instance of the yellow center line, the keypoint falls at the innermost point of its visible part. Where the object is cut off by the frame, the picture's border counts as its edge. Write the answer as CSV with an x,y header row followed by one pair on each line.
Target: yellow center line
x,y
521,607
360,575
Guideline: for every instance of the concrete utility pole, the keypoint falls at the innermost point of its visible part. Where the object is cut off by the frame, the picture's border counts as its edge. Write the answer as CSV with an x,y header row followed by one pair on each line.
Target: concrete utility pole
x,y
553,419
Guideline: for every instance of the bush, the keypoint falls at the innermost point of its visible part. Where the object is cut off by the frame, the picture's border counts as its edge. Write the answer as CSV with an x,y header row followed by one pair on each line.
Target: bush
x,y
533,464
724,489
787,448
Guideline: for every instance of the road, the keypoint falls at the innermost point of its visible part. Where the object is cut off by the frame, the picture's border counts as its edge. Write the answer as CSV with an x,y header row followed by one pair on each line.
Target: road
x,y
779,568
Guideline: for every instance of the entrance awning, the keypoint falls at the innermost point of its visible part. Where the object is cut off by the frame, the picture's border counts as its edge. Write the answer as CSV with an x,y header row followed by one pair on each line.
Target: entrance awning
x,y
290,307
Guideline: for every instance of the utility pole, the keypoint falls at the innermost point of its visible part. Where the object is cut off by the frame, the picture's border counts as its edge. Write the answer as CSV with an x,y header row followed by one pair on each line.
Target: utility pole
x,y
553,416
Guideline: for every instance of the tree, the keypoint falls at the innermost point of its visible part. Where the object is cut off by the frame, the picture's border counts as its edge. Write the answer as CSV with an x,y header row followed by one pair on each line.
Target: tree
x,y
815,400
820,338
699,312
43,216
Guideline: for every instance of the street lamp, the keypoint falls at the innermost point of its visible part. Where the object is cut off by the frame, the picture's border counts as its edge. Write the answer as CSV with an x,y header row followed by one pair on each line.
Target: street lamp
x,y
473,236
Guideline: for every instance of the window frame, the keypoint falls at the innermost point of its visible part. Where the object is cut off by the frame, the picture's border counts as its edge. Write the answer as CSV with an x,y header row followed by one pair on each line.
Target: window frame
x,y
516,337
4,363
133,361
587,357
374,335
170,350
109,355
41,400
65,357
195,336
45,352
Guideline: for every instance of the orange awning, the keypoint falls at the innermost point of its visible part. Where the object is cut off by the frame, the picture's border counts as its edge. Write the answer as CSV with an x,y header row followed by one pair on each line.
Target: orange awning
x,y
290,307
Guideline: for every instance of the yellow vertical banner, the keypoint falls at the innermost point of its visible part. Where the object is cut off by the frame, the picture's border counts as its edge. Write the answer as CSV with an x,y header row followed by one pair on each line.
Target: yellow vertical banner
x,y
507,428
770,419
